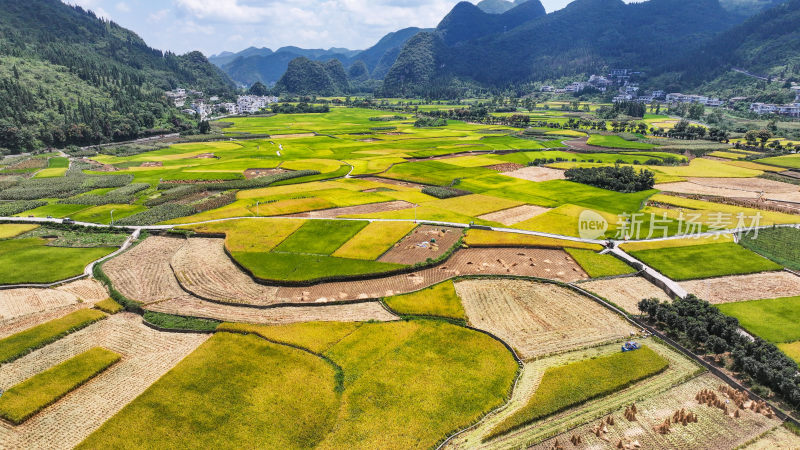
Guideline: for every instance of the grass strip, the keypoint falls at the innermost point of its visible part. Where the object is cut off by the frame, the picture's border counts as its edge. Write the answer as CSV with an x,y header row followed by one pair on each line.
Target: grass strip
x,y
597,265
24,342
566,386
170,322
24,400
109,306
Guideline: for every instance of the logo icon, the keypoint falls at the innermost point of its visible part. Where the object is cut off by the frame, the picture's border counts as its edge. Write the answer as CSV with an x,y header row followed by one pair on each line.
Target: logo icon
x,y
591,225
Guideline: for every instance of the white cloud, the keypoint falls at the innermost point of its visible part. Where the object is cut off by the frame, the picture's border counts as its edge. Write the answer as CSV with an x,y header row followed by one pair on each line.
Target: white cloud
x,y
122,6
158,16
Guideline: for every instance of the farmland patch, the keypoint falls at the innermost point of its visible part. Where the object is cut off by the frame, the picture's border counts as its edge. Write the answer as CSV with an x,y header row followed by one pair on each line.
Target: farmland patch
x,y
745,287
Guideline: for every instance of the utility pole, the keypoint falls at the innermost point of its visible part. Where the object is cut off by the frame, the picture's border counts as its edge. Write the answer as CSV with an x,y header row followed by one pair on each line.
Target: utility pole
x,y
112,217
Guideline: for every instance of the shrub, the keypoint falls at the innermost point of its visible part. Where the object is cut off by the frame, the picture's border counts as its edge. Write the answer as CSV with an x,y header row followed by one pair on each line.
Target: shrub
x,y
10,208
158,214
443,192
123,195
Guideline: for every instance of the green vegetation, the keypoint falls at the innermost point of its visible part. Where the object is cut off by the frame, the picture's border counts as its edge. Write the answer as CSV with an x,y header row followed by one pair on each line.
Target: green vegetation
x,y
439,300
24,400
777,244
171,322
620,179
597,265
300,267
374,240
109,306
32,261
776,320
320,237
613,141
705,261
14,230
78,238
24,342
233,388
573,384
792,350
399,384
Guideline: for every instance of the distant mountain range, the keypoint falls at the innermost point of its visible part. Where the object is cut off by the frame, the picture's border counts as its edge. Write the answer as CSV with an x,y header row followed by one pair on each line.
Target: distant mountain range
x,y
68,77
264,65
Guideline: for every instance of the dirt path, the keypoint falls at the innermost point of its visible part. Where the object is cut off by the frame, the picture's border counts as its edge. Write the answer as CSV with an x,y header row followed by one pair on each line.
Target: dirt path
x,y
146,356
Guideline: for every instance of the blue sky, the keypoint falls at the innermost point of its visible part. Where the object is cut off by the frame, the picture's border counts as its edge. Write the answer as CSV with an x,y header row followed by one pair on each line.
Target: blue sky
x,y
212,26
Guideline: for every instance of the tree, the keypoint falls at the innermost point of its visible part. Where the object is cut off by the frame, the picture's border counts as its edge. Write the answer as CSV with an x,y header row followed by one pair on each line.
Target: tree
x,y
204,127
258,88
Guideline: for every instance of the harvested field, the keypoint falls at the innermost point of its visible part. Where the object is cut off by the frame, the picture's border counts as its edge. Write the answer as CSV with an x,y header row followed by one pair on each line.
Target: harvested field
x,y
255,173
143,273
417,246
740,288
779,438
393,182
537,174
626,292
21,302
507,167
356,312
713,429
703,189
554,264
747,184
678,371
292,136
514,215
371,208
146,356
202,268
22,323
538,319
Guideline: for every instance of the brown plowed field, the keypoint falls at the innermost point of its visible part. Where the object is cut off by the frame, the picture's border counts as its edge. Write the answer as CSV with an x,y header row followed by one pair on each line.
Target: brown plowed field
x,y
740,288
350,210
143,273
202,268
21,302
713,430
538,319
514,215
747,184
356,312
537,174
408,251
146,356
779,438
553,264
626,292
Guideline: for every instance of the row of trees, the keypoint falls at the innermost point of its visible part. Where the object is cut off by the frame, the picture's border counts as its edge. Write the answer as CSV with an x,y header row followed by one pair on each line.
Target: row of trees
x,y
703,328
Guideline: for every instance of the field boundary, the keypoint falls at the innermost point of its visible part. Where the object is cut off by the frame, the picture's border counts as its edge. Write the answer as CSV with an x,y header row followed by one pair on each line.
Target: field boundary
x,y
175,330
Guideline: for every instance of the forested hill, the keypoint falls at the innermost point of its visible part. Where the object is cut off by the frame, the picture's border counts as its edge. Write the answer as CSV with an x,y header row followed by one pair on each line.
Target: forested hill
x,y
766,44
587,36
67,77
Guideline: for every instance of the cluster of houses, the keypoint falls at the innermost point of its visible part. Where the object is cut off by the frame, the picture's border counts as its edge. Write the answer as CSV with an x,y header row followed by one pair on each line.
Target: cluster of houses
x,y
202,108
791,110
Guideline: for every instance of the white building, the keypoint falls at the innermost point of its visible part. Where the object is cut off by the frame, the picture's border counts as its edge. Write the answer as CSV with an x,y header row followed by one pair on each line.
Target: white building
x,y
547,89
252,104
796,90
701,99
659,94
577,86
763,108
623,98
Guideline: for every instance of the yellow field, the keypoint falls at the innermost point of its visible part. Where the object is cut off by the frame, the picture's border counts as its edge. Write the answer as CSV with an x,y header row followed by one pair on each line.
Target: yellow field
x,y
251,235
13,230
374,240
486,238
674,243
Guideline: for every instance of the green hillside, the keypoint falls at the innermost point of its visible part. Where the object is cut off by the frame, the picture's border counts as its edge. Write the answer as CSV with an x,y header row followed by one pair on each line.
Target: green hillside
x,y
70,78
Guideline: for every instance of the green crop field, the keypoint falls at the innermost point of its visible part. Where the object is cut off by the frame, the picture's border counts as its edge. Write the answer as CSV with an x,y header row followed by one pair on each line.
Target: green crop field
x,y
617,142
24,342
792,350
705,261
374,240
777,244
102,214
320,237
302,267
775,320
55,210
401,385
23,400
439,300
788,161
573,384
597,265
32,261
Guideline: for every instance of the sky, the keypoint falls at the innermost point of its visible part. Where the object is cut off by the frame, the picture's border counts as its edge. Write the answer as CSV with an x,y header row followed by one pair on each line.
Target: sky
x,y
213,26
